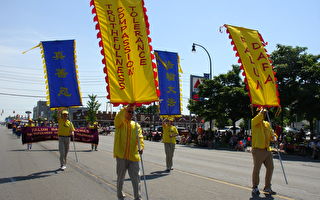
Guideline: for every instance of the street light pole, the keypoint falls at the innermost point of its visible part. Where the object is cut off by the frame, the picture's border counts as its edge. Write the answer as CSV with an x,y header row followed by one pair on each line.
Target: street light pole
x,y
28,113
210,62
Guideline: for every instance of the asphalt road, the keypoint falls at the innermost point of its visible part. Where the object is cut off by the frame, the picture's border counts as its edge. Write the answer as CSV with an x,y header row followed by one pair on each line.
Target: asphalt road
x,y
198,173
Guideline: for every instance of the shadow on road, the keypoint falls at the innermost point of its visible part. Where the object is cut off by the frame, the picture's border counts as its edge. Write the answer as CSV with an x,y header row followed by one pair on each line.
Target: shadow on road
x,y
156,174
29,177
40,150
257,197
287,157
153,175
35,150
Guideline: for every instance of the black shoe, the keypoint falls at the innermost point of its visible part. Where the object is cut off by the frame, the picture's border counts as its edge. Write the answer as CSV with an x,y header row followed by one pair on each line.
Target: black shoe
x,y
167,170
255,191
269,191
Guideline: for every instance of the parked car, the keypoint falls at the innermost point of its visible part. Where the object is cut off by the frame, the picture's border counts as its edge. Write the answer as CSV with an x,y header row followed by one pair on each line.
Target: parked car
x,y
156,134
112,128
183,131
236,128
291,130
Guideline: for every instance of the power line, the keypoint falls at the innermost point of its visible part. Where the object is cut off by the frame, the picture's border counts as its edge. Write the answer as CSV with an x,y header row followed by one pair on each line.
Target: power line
x,y
34,96
25,89
24,81
41,68
21,95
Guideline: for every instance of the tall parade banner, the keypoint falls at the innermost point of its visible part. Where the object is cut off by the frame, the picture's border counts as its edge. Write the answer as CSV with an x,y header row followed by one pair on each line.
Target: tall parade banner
x,y
123,27
258,72
131,76
254,60
61,73
169,83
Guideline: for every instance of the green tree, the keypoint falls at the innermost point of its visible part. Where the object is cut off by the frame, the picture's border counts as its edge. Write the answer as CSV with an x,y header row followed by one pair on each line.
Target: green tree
x,y
151,111
93,106
298,75
55,116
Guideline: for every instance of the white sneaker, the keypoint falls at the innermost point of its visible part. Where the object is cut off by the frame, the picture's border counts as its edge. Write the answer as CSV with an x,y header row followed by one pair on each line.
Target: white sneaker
x,y
63,167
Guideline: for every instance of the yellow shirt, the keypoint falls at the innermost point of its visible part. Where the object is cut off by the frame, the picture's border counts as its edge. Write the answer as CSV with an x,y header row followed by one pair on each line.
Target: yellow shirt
x,y
65,127
167,131
125,138
262,132
29,125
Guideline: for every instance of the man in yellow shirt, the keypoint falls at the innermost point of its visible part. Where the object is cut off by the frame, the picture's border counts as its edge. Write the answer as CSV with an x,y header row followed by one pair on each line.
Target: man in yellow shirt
x,y
30,124
169,139
65,131
94,126
126,150
262,134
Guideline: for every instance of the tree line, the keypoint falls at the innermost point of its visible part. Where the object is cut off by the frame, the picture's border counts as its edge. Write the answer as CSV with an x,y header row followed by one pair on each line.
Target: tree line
x,y
225,98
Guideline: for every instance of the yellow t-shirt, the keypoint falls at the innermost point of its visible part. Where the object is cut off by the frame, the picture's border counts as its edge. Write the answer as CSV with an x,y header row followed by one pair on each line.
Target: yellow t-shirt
x,y
262,133
125,138
167,131
29,125
65,127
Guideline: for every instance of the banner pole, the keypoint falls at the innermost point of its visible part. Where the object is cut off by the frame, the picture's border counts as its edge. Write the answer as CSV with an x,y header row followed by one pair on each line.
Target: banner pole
x,y
74,147
139,148
284,173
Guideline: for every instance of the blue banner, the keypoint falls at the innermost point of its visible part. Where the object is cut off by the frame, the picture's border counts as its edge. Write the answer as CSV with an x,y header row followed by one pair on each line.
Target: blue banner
x,y
168,74
60,68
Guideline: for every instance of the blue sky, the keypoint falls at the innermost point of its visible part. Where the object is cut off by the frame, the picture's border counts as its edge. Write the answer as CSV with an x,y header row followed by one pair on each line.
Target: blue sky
x,y
174,26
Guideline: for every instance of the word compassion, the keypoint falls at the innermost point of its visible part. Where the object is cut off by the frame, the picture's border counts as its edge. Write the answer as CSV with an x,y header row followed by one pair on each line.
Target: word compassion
x,y
127,35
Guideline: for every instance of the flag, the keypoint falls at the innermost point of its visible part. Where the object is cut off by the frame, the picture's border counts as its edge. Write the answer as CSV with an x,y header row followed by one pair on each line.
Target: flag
x,y
169,85
258,71
123,31
61,73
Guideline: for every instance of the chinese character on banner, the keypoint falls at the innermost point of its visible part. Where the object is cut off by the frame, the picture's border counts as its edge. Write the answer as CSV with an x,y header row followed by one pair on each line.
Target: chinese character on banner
x,y
61,73
169,85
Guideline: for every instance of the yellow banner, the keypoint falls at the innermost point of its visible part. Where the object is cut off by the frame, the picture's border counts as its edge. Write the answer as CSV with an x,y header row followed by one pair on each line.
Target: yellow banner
x,y
254,60
123,30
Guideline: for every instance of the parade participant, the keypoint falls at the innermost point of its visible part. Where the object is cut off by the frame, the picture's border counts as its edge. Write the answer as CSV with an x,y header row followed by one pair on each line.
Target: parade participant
x,y
169,139
65,131
126,150
262,134
94,145
30,124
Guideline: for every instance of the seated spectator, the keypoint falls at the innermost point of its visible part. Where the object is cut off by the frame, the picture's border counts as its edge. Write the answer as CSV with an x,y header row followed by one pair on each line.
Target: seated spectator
x,y
183,140
239,146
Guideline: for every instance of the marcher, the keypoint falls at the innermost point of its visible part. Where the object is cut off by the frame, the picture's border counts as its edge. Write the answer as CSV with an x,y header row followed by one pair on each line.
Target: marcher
x,y
169,139
30,124
126,150
94,145
65,131
262,134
